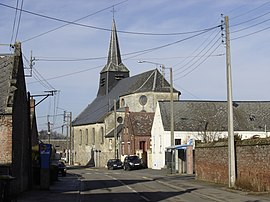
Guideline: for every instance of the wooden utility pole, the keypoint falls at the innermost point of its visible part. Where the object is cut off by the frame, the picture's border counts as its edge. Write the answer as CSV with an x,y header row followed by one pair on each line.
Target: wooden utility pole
x,y
115,130
172,122
231,149
171,107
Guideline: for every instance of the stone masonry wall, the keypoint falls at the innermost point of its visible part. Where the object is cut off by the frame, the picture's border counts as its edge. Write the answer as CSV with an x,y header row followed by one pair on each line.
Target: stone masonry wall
x,y
6,139
252,163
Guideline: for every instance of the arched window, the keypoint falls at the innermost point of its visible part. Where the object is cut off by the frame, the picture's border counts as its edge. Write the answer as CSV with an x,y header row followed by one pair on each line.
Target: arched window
x,y
86,137
102,135
80,138
93,136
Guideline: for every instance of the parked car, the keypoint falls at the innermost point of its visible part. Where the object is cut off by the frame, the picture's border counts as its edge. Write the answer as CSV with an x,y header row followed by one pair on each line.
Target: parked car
x,y
62,169
132,162
114,164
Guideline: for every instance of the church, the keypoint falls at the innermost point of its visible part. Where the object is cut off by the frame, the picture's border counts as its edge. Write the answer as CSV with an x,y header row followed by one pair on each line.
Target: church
x,y
97,130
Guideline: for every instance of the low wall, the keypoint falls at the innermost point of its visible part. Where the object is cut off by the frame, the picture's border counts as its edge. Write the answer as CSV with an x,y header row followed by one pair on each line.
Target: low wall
x,y
252,163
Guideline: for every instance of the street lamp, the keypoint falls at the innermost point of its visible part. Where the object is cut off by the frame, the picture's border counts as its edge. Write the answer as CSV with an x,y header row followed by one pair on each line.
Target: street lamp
x,y
171,103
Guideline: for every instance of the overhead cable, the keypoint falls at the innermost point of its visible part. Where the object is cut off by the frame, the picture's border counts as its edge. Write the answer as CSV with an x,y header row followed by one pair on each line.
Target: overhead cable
x,y
198,64
247,12
252,33
52,30
14,22
19,21
106,29
69,74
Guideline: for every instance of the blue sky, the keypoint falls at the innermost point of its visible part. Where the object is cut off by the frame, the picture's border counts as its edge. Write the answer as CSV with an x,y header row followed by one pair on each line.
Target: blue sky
x,y
199,62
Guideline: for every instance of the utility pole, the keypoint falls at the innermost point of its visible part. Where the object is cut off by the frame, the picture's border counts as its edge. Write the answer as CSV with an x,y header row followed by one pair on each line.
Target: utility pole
x,y
172,120
49,129
115,130
231,149
71,139
163,75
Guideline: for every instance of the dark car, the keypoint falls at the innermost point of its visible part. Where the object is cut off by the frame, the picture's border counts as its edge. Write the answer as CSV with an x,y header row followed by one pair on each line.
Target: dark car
x,y
132,162
114,164
62,169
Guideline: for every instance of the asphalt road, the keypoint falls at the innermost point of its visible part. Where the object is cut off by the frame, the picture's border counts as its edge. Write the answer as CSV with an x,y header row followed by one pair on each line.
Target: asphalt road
x,y
102,185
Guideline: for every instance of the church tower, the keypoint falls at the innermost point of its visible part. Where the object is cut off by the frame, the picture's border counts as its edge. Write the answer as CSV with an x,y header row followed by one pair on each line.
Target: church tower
x,y
114,70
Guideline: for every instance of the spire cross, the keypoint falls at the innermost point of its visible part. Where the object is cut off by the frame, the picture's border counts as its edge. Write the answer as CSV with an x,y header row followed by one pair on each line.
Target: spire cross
x,y
113,11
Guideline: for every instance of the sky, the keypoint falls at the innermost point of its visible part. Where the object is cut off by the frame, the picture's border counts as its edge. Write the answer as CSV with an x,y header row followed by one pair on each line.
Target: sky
x,y
69,41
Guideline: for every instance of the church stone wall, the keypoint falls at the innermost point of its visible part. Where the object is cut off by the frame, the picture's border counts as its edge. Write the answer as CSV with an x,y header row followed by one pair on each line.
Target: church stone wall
x,y
133,100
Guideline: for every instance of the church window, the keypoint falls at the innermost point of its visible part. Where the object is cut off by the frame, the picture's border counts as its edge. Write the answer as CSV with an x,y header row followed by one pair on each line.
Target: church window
x,y
143,100
93,136
80,140
86,136
123,102
102,82
110,144
102,135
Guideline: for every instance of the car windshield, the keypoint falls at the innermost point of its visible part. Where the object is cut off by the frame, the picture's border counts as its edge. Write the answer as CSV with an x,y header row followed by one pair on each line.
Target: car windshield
x,y
115,160
133,158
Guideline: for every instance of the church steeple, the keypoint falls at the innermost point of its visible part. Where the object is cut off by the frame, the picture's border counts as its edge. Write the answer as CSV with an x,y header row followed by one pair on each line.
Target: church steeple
x,y
114,70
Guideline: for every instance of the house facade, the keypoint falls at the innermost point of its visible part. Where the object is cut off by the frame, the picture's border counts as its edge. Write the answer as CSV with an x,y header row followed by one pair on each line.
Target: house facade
x,y
136,134
16,125
206,121
96,130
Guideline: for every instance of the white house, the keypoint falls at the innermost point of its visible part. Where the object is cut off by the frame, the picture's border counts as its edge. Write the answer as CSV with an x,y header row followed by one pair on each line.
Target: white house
x,y
206,121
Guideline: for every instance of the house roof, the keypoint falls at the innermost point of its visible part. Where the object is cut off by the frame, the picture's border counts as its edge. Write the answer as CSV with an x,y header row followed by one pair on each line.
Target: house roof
x,y
6,83
150,81
140,123
212,115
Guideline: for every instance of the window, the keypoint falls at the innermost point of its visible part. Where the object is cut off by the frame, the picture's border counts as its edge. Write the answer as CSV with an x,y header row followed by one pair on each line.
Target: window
x,y
110,144
177,141
80,138
93,136
86,136
102,135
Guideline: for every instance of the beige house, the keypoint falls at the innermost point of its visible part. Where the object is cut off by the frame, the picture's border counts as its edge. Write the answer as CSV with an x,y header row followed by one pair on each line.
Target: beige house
x,y
96,130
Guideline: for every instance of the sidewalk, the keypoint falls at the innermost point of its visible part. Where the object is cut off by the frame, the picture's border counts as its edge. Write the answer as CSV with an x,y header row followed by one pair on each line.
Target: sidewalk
x,y
63,190
212,191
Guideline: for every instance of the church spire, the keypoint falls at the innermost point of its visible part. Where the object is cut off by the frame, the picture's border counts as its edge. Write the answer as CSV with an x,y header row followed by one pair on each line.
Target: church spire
x,y
114,62
114,70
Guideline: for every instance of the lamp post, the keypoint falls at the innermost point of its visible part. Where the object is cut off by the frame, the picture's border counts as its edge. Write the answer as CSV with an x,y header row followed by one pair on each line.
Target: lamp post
x,y
171,106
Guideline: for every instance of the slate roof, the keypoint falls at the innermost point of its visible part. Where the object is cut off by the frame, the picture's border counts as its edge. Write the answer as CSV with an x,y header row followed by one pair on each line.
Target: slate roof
x,y
140,123
6,88
196,115
114,62
150,81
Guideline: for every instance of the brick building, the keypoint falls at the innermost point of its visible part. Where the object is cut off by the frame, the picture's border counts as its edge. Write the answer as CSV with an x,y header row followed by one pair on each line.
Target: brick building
x,y
15,127
136,133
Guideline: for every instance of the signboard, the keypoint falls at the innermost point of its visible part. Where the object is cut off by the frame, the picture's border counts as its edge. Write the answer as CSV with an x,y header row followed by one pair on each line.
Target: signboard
x,y
45,155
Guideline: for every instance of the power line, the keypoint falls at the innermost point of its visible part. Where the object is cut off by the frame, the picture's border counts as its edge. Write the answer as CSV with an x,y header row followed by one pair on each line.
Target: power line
x,y
69,74
250,19
140,52
44,81
106,29
252,33
195,52
188,67
250,10
239,30
14,22
19,21
52,30
198,64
